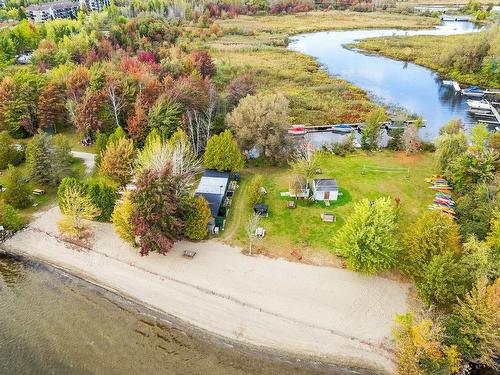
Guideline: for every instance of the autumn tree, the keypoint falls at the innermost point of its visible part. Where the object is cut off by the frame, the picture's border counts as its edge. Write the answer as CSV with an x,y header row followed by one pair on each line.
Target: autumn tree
x,y
78,207
262,121
93,114
77,83
158,211
474,325
434,233
421,349
202,61
52,107
196,224
117,160
17,192
240,87
255,192
368,238
223,154
122,219
371,132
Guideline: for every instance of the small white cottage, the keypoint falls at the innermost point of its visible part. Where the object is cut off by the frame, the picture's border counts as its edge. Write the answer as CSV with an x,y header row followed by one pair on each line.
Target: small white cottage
x,y
325,189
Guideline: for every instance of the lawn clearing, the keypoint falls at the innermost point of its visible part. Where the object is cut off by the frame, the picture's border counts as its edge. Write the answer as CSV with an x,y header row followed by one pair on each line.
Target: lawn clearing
x,y
358,176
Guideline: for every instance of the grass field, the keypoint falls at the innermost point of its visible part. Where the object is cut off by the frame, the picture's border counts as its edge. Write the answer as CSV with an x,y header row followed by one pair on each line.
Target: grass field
x,y
358,175
430,51
257,45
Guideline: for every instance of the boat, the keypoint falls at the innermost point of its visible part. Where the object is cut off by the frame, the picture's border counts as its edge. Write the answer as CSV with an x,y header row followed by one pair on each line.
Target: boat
x,y
473,91
479,104
297,130
447,83
342,128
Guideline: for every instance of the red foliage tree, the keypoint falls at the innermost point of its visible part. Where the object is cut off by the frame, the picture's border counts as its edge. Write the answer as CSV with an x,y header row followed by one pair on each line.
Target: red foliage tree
x,y
51,107
77,83
239,88
201,60
191,92
157,211
90,114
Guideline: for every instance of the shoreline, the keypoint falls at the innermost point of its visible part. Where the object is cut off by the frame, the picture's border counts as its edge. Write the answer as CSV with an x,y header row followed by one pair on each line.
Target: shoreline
x,y
161,319
239,300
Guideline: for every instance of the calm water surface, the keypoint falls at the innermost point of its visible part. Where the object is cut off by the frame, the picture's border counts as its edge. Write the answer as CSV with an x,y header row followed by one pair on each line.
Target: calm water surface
x,y
53,324
418,90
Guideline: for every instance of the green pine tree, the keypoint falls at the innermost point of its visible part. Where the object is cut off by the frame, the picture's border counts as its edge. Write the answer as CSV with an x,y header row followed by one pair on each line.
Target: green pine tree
x,y
39,159
223,154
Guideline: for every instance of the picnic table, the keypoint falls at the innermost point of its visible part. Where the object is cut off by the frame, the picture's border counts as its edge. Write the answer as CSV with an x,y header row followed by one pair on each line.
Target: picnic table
x,y
38,191
189,254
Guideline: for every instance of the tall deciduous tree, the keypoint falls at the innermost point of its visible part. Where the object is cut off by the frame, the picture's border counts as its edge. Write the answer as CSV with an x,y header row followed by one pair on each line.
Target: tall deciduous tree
x,y
474,325
433,233
117,161
122,220
368,238
93,114
371,132
222,153
262,121
240,87
52,107
78,207
196,225
449,147
421,349
158,211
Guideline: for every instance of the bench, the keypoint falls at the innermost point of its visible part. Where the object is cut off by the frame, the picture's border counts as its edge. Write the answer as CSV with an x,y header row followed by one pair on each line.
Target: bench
x,y
189,254
296,254
330,218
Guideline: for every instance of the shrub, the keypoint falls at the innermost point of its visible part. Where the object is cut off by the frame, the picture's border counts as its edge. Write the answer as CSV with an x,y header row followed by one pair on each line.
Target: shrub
x,y
371,133
9,217
17,191
368,237
254,192
195,227
122,220
103,194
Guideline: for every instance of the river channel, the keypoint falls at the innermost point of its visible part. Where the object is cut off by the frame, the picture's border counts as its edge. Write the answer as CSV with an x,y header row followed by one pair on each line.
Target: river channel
x,y
394,83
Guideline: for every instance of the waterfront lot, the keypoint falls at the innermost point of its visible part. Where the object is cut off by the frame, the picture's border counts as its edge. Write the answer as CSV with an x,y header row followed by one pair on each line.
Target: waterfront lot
x,y
359,175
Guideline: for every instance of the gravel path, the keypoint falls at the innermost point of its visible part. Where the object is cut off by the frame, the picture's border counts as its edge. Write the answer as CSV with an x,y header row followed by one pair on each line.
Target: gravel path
x,y
332,313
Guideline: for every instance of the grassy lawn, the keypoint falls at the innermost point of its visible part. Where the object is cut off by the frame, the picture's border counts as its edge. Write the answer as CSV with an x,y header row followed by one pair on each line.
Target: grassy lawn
x,y
358,175
429,51
257,45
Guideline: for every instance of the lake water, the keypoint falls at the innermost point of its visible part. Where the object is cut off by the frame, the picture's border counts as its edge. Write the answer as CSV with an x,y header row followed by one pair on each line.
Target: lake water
x,y
51,323
395,83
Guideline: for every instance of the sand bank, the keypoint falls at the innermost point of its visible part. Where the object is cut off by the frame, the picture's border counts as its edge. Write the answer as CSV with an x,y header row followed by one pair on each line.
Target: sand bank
x,y
335,314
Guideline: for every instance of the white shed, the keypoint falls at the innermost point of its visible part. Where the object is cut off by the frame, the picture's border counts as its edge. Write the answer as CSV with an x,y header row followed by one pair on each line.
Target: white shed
x,y
325,189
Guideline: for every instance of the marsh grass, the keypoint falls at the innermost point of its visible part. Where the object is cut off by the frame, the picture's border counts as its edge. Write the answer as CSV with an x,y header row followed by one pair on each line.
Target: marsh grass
x,y
257,45
431,51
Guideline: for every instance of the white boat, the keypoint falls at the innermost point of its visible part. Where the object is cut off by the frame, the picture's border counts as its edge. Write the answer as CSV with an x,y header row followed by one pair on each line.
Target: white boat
x,y
448,83
478,104
473,91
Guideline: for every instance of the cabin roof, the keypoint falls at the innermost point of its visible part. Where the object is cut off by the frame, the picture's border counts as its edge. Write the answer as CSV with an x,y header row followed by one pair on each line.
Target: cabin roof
x,y
325,184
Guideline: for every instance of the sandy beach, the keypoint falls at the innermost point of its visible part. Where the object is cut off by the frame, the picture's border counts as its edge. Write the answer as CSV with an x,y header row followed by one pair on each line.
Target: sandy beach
x,y
334,314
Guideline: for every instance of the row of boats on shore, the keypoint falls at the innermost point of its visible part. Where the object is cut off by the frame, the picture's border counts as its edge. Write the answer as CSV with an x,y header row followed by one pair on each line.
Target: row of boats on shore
x,y
443,201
